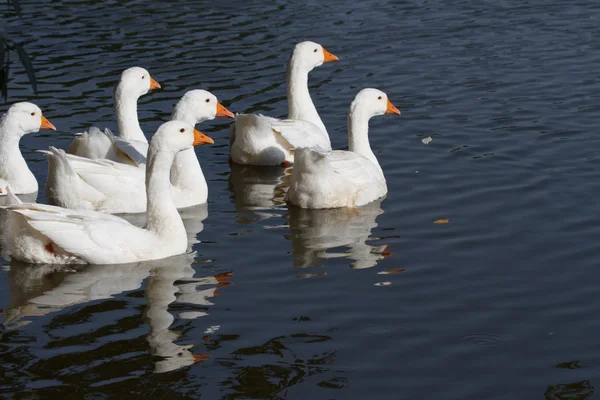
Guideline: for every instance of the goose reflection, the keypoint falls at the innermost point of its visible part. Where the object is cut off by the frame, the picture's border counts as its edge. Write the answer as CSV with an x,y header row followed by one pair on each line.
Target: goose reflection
x,y
257,189
37,290
314,232
161,292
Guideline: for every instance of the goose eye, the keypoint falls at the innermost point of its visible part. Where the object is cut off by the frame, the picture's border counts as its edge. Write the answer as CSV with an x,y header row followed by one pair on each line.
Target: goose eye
x,y
208,100
315,50
33,114
182,130
379,98
143,77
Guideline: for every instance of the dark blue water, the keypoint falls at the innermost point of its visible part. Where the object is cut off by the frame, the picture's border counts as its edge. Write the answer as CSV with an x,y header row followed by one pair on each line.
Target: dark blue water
x,y
502,302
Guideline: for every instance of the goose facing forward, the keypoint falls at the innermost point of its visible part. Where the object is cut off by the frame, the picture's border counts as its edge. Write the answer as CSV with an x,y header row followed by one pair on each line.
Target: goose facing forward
x,y
108,186
343,178
19,120
38,233
252,138
131,145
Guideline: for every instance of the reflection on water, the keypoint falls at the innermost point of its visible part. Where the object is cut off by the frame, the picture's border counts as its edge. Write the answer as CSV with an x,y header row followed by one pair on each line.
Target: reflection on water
x,y
269,370
160,292
257,189
42,289
571,391
37,290
315,233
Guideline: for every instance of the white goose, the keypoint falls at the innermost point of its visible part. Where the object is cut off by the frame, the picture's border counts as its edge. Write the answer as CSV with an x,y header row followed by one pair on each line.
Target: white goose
x,y
19,120
38,233
259,140
131,145
189,184
104,185
343,178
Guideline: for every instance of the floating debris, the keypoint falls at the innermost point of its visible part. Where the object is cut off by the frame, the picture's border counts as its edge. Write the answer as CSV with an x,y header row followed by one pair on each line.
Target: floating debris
x,y
427,140
383,283
441,221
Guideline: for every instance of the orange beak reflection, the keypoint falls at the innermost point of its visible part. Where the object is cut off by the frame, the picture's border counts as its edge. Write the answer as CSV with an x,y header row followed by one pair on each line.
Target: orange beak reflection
x,y
201,138
328,57
153,84
391,109
46,124
200,357
223,112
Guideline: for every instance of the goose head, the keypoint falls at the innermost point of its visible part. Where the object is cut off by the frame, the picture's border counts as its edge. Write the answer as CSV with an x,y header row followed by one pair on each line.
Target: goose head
x,y
373,102
309,55
137,81
24,118
177,136
199,105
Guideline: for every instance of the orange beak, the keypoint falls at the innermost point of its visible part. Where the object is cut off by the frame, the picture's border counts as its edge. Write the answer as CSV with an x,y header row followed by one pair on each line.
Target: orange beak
x,y
328,57
391,109
46,124
223,112
154,84
201,138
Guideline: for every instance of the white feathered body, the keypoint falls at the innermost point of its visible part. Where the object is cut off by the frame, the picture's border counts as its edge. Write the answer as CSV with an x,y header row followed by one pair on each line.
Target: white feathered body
x,y
38,233
334,179
102,185
108,186
259,140
96,144
254,142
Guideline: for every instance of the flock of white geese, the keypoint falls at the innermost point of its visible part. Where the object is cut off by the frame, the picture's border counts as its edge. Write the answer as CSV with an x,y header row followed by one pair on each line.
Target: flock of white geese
x,y
102,174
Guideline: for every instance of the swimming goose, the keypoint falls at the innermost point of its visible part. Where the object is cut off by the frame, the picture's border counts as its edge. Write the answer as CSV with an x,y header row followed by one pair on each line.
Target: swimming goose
x,y
343,178
104,185
252,138
19,120
131,145
38,233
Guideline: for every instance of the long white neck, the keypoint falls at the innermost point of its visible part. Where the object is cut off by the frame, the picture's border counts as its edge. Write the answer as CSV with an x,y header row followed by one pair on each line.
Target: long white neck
x,y
358,135
300,104
186,173
127,116
162,215
13,167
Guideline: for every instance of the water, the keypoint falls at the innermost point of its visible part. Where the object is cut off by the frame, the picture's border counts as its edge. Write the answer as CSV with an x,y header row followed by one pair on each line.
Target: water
x,y
500,302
